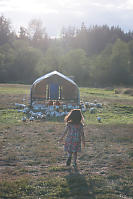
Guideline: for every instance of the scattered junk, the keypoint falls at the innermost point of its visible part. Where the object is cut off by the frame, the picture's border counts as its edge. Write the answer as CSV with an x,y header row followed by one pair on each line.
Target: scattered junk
x,y
31,118
24,119
46,111
99,105
99,119
38,112
53,96
92,110
19,106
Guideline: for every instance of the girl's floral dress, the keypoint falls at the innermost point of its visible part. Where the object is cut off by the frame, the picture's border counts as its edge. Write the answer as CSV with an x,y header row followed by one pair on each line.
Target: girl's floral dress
x,y
73,138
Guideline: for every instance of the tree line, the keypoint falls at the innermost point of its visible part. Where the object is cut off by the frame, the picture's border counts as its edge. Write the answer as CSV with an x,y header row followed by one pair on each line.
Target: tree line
x,y
96,56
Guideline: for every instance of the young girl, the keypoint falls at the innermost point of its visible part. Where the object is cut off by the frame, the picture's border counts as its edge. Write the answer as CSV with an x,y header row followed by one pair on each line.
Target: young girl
x,y
74,135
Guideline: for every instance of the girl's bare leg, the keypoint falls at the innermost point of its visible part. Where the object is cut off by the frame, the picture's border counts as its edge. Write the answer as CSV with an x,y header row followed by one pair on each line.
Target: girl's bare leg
x,y
69,159
75,158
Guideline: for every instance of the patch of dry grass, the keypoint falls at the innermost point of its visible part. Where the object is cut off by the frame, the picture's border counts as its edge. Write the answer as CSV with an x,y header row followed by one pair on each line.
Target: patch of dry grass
x,y
104,167
32,163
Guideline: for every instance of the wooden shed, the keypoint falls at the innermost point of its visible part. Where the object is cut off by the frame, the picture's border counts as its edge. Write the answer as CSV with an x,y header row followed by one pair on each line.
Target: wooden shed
x,y
55,86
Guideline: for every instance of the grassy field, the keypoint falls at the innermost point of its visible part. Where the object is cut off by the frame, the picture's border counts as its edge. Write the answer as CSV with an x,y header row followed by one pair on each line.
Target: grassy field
x,y
32,163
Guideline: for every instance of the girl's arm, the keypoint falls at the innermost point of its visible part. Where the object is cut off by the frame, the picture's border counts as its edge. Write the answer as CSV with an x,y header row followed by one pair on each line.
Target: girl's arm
x,y
83,137
64,133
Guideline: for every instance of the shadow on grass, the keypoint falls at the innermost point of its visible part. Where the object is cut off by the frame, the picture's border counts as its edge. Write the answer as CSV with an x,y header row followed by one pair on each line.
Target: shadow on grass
x,y
77,184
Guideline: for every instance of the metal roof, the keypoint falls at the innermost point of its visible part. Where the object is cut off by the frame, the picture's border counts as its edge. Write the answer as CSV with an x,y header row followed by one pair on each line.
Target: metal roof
x,y
54,73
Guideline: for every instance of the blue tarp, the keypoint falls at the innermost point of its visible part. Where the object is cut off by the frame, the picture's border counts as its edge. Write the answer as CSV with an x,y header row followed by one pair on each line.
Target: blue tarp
x,y
54,91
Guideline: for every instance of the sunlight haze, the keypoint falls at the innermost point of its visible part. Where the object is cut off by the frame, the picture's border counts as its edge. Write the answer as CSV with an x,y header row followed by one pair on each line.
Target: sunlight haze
x,y
58,14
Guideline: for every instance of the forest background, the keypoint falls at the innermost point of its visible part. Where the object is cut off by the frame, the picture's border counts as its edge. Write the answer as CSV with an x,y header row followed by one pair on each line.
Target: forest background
x,y
96,56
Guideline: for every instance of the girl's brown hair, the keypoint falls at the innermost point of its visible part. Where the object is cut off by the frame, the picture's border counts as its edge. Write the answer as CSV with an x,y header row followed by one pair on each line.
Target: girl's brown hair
x,y
75,117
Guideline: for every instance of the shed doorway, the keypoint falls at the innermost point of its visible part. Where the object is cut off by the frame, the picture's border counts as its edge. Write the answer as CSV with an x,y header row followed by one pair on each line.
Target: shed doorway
x,y
54,91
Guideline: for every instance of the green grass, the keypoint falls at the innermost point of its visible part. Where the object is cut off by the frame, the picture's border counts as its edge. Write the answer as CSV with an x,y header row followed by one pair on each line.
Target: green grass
x,y
101,94
117,108
74,185
14,89
71,186
111,114
9,117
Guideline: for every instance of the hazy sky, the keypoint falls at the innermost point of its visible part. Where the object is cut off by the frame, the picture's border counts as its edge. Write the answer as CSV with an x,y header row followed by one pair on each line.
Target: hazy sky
x,y
58,13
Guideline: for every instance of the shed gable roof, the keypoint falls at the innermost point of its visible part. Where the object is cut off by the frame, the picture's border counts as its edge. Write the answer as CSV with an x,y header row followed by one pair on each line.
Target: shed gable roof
x,y
54,73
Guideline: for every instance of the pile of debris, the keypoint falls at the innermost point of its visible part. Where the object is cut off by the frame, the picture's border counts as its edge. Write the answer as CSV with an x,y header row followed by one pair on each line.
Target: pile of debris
x,y
50,110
